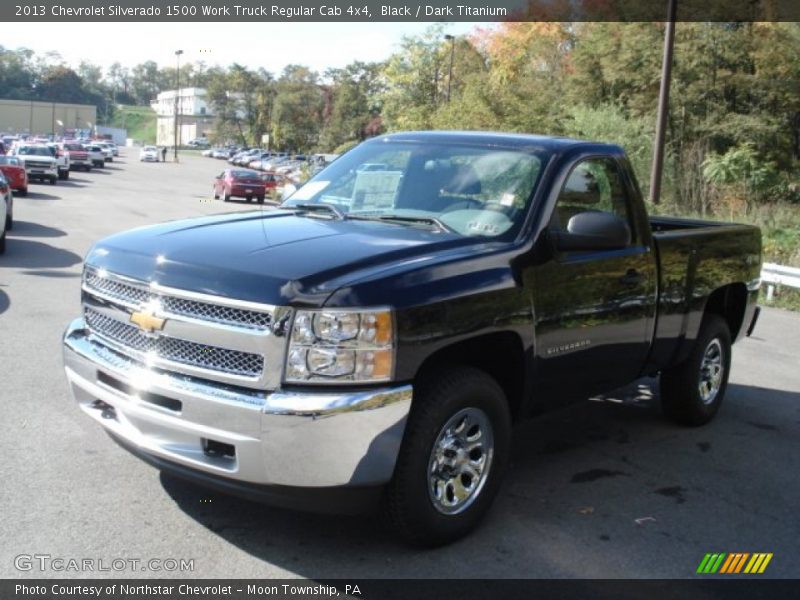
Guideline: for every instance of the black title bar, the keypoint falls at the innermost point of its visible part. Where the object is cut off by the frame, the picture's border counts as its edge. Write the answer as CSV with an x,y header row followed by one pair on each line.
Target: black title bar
x,y
708,588
286,11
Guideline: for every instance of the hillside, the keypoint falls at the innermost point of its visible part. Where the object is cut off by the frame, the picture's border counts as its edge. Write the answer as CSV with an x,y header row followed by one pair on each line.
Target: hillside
x,y
140,121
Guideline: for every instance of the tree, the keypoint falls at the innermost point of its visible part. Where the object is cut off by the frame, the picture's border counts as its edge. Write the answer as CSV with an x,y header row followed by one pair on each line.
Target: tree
x,y
352,105
297,113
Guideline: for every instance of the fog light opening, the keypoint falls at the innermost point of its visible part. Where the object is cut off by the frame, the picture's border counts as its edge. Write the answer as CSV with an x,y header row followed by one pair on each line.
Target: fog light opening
x,y
215,449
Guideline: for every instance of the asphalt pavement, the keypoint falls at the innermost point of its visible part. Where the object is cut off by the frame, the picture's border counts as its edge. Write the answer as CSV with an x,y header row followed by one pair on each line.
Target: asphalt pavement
x,y
603,489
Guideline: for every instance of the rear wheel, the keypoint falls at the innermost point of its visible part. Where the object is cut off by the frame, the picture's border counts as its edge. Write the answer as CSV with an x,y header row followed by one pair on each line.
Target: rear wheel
x,y
452,459
53,180
226,196
261,199
216,195
3,242
63,175
692,392
23,191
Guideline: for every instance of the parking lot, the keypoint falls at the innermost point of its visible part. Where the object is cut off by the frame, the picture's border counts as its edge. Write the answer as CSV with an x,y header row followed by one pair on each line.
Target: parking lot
x,y
603,489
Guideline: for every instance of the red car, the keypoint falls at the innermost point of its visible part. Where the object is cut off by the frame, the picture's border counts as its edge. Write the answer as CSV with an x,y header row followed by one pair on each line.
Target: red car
x,y
14,171
243,183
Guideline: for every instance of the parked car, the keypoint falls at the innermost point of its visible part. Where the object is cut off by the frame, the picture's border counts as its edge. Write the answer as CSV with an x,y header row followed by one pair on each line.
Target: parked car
x,y
14,171
95,154
108,150
242,183
374,339
200,142
78,155
39,162
62,159
6,204
149,154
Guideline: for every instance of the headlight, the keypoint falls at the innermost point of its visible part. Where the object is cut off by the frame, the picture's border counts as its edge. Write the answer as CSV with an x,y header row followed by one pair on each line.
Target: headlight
x,y
341,346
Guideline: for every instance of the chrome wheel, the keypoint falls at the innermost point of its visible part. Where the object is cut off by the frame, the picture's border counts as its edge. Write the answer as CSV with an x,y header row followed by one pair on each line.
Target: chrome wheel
x,y
460,461
712,369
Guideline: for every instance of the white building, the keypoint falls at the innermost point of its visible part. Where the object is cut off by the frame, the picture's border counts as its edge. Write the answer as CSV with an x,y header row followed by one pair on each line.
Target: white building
x,y
195,116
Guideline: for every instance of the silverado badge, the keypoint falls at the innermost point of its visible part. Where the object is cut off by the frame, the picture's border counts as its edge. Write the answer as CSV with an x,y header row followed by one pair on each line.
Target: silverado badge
x,y
147,321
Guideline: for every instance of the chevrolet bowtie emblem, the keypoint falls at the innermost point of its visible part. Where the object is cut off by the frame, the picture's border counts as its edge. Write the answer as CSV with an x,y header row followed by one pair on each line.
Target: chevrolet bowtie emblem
x,y
147,321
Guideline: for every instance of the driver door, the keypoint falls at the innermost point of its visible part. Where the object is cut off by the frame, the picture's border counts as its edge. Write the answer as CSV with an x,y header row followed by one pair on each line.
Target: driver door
x,y
593,308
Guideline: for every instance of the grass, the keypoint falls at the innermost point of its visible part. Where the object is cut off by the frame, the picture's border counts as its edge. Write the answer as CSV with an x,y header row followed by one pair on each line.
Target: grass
x,y
140,121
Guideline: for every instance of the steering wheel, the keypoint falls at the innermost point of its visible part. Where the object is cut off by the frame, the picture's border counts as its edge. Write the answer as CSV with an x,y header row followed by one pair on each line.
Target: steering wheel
x,y
464,204
508,211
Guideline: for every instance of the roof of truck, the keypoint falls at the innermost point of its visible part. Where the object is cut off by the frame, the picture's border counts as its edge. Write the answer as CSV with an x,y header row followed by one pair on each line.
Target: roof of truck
x,y
490,138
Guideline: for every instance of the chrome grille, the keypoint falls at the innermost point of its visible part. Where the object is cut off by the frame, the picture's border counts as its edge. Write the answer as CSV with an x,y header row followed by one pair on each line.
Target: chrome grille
x,y
135,296
125,293
38,164
180,351
206,311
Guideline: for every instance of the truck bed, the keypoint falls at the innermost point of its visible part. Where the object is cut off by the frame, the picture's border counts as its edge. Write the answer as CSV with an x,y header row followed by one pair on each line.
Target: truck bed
x,y
697,257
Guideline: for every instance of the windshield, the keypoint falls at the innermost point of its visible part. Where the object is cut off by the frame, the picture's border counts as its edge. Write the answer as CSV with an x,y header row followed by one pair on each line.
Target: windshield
x,y
472,190
35,150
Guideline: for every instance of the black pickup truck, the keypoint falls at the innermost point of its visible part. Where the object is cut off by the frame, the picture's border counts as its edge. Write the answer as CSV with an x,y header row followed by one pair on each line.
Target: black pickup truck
x,y
373,340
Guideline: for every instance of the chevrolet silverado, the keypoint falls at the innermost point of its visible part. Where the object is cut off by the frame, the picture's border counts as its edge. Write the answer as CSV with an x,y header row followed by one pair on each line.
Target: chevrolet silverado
x,y
373,340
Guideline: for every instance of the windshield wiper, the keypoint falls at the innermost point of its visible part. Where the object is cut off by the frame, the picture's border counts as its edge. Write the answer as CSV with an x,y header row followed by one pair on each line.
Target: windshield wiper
x,y
321,206
411,219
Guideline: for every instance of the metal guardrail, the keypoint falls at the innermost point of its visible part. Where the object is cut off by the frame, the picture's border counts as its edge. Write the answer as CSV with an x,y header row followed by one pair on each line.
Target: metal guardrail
x,y
773,275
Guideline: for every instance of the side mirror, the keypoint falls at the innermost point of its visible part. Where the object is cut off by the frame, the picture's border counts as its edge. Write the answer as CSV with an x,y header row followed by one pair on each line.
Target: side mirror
x,y
594,230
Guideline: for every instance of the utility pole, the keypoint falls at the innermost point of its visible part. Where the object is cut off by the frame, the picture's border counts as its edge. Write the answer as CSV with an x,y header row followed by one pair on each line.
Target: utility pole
x,y
663,104
177,102
452,39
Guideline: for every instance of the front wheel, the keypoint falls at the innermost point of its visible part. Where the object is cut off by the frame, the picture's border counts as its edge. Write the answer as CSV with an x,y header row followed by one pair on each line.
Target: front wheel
x,y
53,180
691,392
452,459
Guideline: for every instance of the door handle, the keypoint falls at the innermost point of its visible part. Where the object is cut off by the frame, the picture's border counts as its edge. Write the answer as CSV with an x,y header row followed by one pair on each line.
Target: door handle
x,y
632,277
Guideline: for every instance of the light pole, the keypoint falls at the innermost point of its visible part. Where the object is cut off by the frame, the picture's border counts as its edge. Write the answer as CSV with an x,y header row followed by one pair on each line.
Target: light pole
x,y
177,94
452,39
30,125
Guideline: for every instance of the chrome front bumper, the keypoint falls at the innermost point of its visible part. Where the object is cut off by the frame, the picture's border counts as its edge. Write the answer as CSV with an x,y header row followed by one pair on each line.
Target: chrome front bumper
x,y
283,438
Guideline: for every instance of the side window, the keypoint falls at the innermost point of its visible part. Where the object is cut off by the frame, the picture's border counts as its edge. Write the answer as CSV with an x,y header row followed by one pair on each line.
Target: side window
x,y
594,184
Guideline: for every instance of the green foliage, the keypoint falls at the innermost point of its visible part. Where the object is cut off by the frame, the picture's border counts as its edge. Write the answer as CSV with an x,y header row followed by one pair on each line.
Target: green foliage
x,y
138,120
345,146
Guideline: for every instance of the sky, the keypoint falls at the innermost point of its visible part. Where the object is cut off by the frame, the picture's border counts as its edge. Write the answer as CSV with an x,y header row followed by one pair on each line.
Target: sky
x,y
269,45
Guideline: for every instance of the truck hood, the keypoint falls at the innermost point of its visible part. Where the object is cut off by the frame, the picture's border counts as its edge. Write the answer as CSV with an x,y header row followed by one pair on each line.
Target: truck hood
x,y
36,158
276,257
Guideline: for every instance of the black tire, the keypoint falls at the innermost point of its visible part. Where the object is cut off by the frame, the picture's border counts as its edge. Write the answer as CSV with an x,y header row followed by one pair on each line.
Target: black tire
x,y
261,199
409,502
216,195
248,198
63,175
3,243
681,397
23,192
226,197
9,222
53,180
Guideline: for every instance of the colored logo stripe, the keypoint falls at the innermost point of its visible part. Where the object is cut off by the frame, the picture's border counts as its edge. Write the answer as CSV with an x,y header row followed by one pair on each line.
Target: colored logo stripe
x,y
734,563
